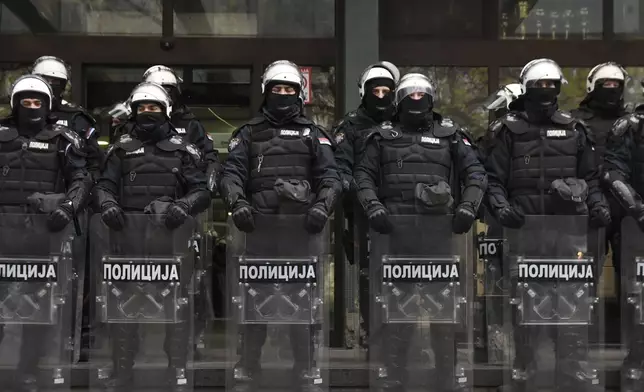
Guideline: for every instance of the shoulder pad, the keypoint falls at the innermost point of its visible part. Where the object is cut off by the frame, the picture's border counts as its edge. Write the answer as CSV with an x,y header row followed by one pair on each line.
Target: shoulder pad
x,y
70,135
302,120
256,120
562,117
495,127
387,131
174,143
514,122
127,143
622,125
70,107
8,133
186,114
325,136
446,127
193,151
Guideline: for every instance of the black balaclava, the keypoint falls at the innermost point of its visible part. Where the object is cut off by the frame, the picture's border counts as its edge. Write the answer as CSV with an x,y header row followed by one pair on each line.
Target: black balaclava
x,y
280,108
606,100
379,109
414,113
31,121
150,126
58,88
541,103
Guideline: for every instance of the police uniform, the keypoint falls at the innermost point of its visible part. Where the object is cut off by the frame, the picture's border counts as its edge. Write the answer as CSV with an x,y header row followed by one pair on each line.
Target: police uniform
x,y
137,173
395,162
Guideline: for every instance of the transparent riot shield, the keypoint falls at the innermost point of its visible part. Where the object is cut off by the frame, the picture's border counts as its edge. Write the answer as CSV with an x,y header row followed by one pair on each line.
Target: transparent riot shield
x,y
279,317
36,312
421,317
144,277
632,302
551,272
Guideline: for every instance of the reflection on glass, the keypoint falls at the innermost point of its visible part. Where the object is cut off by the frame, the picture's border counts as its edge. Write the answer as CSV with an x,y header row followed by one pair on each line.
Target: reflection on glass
x,y
551,19
92,17
627,15
571,94
321,108
266,18
634,93
460,92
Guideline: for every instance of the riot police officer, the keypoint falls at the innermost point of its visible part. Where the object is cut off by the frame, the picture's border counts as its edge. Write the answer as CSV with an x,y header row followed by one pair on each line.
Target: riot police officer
x,y
68,114
413,167
275,158
151,140
550,145
623,178
46,170
375,86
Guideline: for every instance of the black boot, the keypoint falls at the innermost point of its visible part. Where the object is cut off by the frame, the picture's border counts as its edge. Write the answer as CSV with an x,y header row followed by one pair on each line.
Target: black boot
x,y
395,349
26,383
246,380
176,347
125,342
307,380
32,348
573,371
247,374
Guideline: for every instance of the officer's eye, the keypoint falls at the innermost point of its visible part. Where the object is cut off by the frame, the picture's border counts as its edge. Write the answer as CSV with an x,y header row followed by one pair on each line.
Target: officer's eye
x,y
31,103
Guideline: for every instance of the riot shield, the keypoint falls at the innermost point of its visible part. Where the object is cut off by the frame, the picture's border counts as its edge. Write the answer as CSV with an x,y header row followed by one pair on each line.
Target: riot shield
x,y
144,277
421,317
278,325
551,274
632,300
36,312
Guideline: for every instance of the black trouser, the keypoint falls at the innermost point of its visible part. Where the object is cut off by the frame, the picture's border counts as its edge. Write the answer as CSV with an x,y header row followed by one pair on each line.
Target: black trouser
x,y
357,232
395,345
254,337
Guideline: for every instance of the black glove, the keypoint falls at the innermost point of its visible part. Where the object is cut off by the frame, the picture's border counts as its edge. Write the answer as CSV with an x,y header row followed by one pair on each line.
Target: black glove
x,y
511,217
176,215
599,216
379,220
243,217
60,217
113,216
463,218
316,219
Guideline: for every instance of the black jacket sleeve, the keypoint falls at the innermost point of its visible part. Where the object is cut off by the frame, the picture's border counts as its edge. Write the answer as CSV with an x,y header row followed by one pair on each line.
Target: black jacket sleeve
x,y
109,181
77,179
345,153
587,167
200,138
367,174
85,126
236,168
472,173
497,166
619,150
326,177
197,196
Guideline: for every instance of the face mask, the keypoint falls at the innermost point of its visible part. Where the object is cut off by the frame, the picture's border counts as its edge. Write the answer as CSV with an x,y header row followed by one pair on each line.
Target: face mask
x,y
174,94
282,106
150,121
32,120
413,113
58,88
608,97
541,103
378,108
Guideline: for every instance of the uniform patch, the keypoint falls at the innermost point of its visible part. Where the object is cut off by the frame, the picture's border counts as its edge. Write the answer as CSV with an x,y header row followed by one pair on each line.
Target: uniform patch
x,y
125,138
39,145
176,140
289,132
136,152
339,138
467,142
234,142
565,114
430,140
446,122
306,132
324,140
386,125
181,130
556,133
62,122
511,117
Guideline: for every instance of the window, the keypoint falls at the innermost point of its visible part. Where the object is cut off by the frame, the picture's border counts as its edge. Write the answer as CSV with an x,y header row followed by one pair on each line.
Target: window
x,y
551,19
265,18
